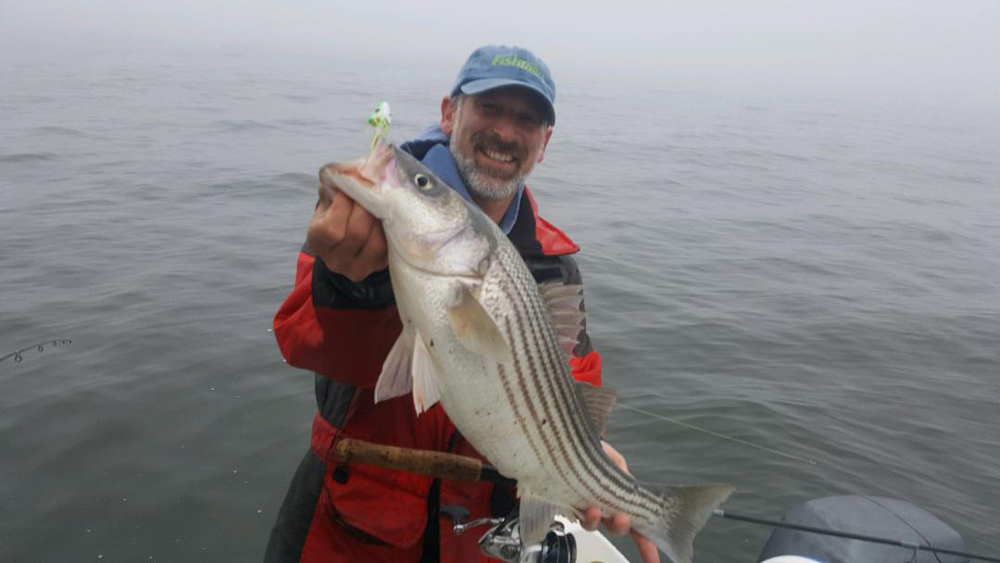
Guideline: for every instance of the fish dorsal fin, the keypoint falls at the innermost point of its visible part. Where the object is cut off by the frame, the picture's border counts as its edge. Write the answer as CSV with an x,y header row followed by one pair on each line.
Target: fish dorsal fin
x,y
395,379
535,516
425,381
598,402
563,304
475,328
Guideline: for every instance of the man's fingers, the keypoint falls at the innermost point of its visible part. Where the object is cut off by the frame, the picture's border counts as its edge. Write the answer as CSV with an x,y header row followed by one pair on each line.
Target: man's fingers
x,y
374,251
341,207
328,227
647,549
325,230
618,524
348,239
591,519
616,457
360,225
325,195
364,247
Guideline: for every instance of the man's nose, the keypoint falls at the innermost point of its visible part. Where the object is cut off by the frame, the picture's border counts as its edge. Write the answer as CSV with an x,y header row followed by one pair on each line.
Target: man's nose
x,y
505,128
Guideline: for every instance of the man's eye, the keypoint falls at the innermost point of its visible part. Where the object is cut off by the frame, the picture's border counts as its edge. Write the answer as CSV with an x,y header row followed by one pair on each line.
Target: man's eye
x,y
529,119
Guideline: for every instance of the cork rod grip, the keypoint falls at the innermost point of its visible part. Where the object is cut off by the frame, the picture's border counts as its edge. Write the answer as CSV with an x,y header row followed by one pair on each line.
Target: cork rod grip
x,y
424,462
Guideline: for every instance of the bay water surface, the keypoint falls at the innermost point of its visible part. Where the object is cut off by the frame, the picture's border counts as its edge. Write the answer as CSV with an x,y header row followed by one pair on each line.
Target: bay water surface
x,y
817,282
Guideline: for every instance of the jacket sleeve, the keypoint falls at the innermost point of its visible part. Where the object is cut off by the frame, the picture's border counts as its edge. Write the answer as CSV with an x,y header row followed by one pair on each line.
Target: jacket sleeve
x,y
584,362
587,368
337,328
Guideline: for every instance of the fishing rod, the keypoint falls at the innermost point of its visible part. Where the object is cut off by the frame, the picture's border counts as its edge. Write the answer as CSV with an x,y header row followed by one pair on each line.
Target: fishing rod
x,y
16,354
463,468
799,527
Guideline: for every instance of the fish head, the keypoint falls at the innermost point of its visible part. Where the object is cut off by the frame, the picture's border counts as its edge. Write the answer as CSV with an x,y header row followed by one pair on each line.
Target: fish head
x,y
425,221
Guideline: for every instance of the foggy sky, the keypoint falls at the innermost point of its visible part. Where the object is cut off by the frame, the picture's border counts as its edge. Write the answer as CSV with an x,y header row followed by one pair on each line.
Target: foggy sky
x,y
914,51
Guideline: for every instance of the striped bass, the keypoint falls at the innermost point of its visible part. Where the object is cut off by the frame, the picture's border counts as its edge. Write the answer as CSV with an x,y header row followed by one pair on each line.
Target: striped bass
x,y
480,336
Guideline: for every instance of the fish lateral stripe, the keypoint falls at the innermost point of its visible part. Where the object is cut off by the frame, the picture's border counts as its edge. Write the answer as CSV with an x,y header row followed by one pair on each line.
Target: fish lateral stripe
x,y
575,438
520,418
541,429
585,447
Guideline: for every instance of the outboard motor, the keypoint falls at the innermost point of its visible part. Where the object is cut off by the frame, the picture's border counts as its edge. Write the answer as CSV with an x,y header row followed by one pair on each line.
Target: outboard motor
x,y
872,516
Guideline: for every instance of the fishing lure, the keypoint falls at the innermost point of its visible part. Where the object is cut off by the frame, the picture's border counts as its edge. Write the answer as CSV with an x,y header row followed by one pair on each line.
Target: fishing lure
x,y
380,119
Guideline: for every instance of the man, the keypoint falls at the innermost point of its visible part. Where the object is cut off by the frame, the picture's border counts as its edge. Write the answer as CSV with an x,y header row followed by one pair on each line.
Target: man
x,y
340,321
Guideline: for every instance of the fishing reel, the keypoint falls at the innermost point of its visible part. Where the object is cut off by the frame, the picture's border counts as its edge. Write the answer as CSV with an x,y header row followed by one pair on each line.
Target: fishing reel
x,y
503,539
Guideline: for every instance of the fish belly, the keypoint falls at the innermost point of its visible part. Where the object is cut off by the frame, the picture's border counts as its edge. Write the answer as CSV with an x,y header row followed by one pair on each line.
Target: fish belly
x,y
497,407
471,389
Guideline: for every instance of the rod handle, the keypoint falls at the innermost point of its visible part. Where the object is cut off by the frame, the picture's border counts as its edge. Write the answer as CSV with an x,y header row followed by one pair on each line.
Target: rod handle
x,y
424,462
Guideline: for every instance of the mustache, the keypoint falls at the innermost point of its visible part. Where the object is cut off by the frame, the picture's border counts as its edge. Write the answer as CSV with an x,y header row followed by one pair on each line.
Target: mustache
x,y
496,144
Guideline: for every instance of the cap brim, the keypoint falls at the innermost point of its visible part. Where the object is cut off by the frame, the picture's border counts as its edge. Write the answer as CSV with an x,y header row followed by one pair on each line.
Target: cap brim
x,y
486,84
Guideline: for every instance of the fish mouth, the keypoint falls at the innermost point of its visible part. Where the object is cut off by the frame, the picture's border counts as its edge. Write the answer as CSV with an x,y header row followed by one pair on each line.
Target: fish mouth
x,y
362,179
381,163
370,171
350,169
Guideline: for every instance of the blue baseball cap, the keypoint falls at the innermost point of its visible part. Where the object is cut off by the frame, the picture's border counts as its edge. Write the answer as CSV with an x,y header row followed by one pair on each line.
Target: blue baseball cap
x,y
496,66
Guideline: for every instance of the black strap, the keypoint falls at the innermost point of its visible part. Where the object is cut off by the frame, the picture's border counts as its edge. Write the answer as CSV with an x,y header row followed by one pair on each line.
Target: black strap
x,y
432,534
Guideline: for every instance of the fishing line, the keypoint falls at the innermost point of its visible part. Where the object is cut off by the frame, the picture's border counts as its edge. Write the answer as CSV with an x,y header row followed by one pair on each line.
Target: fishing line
x,y
848,535
799,527
40,346
718,435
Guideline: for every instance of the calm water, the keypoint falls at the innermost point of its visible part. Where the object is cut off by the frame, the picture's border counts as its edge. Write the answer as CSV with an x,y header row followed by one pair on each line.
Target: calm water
x,y
818,280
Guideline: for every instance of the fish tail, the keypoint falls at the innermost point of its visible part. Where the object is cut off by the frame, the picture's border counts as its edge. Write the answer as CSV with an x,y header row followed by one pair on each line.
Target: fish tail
x,y
685,509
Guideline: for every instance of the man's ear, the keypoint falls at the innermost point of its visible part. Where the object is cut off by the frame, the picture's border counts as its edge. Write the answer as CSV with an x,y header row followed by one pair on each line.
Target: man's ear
x,y
448,107
545,143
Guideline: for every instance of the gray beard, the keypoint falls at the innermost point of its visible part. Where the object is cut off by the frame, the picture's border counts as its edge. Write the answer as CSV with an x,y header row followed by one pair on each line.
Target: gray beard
x,y
486,184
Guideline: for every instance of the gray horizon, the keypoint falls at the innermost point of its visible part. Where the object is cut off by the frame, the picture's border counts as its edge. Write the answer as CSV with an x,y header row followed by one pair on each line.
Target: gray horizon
x,y
918,52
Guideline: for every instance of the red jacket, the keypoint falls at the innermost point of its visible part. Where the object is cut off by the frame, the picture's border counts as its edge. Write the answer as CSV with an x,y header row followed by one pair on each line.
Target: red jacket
x,y
343,333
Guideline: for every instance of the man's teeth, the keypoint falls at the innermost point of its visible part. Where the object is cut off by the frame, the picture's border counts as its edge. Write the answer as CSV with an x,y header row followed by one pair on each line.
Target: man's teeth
x,y
499,156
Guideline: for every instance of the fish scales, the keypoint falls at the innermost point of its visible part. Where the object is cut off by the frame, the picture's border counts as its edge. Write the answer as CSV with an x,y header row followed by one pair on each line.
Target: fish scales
x,y
564,397
478,337
540,409
566,400
565,403
529,361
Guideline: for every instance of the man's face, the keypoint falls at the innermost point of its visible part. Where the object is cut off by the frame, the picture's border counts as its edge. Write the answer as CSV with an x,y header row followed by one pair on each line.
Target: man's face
x,y
496,139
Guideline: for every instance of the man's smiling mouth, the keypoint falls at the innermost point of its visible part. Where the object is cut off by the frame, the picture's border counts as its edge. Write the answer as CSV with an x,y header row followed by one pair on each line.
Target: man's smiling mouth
x,y
498,156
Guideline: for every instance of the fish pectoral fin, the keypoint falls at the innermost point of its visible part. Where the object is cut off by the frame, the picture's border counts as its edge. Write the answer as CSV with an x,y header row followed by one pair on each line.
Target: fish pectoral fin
x,y
598,402
536,515
426,391
476,330
395,379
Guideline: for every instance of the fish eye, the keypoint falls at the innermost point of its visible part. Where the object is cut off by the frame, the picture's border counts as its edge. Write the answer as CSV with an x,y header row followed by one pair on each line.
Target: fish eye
x,y
423,182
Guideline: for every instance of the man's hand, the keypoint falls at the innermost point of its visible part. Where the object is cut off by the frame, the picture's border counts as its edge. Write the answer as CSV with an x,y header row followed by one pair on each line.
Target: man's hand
x,y
348,239
618,524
